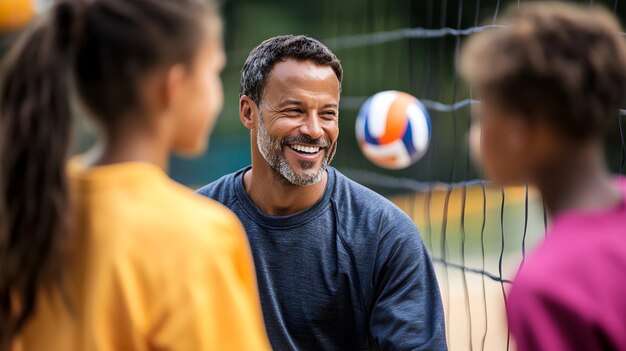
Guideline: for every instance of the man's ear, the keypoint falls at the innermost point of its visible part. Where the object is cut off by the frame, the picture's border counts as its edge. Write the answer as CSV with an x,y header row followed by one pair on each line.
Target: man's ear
x,y
248,112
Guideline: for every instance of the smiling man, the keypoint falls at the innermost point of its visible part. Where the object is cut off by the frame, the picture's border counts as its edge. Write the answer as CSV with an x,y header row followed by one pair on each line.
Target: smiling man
x,y
339,267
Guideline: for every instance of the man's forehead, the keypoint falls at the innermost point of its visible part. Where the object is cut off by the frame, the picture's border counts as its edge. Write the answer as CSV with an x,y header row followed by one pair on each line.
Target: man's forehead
x,y
297,73
327,100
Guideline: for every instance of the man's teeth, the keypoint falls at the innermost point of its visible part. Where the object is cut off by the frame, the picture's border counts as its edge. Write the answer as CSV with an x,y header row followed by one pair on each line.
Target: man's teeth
x,y
307,149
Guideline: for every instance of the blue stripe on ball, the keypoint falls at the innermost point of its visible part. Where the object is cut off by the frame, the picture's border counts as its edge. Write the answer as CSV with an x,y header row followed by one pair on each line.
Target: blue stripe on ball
x,y
364,113
407,139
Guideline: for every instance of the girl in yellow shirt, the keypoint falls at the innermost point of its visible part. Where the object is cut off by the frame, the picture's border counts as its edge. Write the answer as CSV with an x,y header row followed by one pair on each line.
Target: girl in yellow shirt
x,y
109,253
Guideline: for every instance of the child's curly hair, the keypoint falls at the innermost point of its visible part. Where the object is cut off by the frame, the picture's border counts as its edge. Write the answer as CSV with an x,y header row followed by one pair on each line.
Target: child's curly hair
x,y
559,62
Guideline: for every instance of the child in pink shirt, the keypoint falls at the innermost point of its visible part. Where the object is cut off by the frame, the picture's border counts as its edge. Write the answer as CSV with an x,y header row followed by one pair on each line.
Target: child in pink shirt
x,y
571,294
551,83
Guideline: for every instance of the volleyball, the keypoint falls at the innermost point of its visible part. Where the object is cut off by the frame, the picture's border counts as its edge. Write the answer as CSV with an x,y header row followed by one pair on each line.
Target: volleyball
x,y
393,129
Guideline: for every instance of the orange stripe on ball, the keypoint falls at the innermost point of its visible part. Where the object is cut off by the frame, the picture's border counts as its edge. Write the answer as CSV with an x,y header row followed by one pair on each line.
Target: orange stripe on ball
x,y
396,118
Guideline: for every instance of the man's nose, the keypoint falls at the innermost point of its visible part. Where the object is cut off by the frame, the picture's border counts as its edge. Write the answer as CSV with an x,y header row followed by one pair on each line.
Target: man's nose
x,y
311,126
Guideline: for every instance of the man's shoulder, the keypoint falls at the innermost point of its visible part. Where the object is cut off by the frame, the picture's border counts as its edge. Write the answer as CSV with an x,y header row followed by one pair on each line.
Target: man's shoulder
x,y
222,188
365,204
349,192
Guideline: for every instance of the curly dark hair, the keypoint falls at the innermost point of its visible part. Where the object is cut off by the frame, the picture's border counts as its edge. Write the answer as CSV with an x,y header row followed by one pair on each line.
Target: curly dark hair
x,y
555,61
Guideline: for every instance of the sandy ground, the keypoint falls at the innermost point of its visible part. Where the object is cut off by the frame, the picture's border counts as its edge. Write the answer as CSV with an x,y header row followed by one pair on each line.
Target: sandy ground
x,y
487,329
473,302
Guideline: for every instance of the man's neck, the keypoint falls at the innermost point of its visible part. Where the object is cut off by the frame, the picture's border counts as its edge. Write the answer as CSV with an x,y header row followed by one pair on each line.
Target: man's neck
x,y
275,197
581,183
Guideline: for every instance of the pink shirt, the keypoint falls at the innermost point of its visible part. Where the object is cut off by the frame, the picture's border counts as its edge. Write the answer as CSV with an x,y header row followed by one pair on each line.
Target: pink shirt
x,y
571,293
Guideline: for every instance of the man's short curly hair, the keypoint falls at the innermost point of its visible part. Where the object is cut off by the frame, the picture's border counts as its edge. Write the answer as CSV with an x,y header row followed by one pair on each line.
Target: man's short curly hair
x,y
262,59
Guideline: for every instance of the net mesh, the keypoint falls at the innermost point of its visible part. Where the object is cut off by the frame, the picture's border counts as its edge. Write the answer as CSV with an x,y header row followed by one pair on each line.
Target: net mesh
x,y
476,233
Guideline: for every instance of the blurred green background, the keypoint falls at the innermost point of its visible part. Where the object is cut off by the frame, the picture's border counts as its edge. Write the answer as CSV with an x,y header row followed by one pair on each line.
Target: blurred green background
x,y
424,67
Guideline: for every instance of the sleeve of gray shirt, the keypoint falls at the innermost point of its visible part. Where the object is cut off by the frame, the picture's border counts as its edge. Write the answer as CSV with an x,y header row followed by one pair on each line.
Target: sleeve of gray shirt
x,y
407,313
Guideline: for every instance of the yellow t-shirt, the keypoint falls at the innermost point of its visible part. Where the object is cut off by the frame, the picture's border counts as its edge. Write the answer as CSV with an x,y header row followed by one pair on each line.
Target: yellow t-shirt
x,y
153,267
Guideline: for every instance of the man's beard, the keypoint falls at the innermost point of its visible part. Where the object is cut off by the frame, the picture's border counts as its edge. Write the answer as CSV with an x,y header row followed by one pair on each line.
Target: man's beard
x,y
272,151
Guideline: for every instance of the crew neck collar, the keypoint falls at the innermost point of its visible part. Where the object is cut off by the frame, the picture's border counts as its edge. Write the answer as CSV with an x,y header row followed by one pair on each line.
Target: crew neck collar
x,y
587,215
283,221
123,172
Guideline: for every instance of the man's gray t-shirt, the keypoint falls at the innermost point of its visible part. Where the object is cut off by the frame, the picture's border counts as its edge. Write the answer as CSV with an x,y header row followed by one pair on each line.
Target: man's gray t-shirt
x,y
349,273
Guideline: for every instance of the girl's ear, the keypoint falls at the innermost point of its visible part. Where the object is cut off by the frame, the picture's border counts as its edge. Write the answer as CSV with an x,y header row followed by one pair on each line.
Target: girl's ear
x,y
248,112
172,87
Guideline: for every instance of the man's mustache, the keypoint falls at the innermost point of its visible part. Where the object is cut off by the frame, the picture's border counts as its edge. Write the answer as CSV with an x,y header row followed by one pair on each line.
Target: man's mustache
x,y
303,139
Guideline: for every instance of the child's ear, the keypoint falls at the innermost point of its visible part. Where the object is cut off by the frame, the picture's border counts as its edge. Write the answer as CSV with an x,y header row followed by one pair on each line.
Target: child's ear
x,y
522,133
475,141
248,112
172,85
